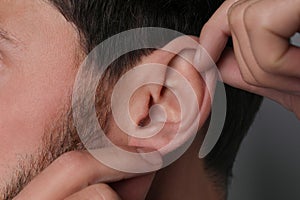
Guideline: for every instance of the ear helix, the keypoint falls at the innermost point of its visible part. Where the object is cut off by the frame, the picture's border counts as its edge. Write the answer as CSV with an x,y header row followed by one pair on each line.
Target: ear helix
x,y
83,99
216,90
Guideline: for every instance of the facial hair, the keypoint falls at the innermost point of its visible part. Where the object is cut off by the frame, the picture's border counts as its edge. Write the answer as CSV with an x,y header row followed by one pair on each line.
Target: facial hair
x,y
60,137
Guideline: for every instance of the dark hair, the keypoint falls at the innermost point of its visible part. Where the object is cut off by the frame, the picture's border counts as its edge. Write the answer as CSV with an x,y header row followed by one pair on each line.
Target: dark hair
x,y
97,20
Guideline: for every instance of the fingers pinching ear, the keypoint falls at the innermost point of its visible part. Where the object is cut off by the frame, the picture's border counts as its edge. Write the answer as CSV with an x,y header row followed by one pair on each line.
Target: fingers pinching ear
x,y
215,33
168,90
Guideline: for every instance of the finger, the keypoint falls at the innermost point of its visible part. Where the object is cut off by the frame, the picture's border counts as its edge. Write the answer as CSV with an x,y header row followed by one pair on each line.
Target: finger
x,y
270,24
246,73
251,71
231,75
68,174
145,161
215,33
255,76
99,191
241,42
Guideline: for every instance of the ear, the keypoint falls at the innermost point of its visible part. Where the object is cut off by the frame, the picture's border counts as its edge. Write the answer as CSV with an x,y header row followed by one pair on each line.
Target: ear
x,y
166,97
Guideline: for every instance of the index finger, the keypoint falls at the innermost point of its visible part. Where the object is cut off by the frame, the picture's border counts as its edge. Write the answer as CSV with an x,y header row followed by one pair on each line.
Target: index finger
x,y
216,31
69,174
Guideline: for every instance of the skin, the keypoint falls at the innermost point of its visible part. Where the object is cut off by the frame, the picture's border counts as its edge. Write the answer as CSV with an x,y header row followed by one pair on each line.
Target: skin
x,y
36,75
38,68
262,60
39,56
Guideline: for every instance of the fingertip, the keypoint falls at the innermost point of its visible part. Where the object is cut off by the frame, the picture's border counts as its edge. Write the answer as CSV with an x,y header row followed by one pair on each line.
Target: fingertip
x,y
215,32
230,71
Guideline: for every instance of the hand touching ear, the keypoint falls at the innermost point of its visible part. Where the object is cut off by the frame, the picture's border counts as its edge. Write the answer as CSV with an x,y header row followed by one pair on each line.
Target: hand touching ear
x,y
264,61
77,176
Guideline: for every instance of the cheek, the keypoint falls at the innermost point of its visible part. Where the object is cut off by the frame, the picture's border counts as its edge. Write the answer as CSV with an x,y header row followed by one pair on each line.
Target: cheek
x,y
37,77
29,101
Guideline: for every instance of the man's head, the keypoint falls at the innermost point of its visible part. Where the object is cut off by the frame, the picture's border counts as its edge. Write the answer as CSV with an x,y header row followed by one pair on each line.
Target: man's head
x,y
42,46
39,54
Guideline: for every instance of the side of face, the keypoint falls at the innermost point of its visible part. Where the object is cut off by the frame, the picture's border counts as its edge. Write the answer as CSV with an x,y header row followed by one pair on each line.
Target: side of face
x,y
37,71
38,66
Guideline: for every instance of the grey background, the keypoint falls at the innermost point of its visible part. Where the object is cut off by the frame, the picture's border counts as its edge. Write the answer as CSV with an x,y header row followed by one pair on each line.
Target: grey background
x,y
268,163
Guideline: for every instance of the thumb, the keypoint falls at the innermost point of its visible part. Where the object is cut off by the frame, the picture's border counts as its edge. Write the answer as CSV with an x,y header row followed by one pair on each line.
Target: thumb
x,y
141,161
138,186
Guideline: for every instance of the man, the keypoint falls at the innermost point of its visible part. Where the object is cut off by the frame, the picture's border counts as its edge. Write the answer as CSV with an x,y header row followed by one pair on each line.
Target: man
x,y
42,45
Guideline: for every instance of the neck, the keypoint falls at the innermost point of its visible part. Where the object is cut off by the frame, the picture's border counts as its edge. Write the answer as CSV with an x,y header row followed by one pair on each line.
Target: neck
x,y
184,179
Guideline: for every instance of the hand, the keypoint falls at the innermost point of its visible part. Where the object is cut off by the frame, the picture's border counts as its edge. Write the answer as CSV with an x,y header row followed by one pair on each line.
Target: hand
x,y
263,62
77,175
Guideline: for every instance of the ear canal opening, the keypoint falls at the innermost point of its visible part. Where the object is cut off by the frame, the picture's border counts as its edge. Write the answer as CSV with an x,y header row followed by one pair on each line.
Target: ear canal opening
x,y
145,121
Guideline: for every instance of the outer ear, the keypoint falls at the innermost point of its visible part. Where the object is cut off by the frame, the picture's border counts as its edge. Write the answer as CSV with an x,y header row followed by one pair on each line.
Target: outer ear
x,y
168,99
